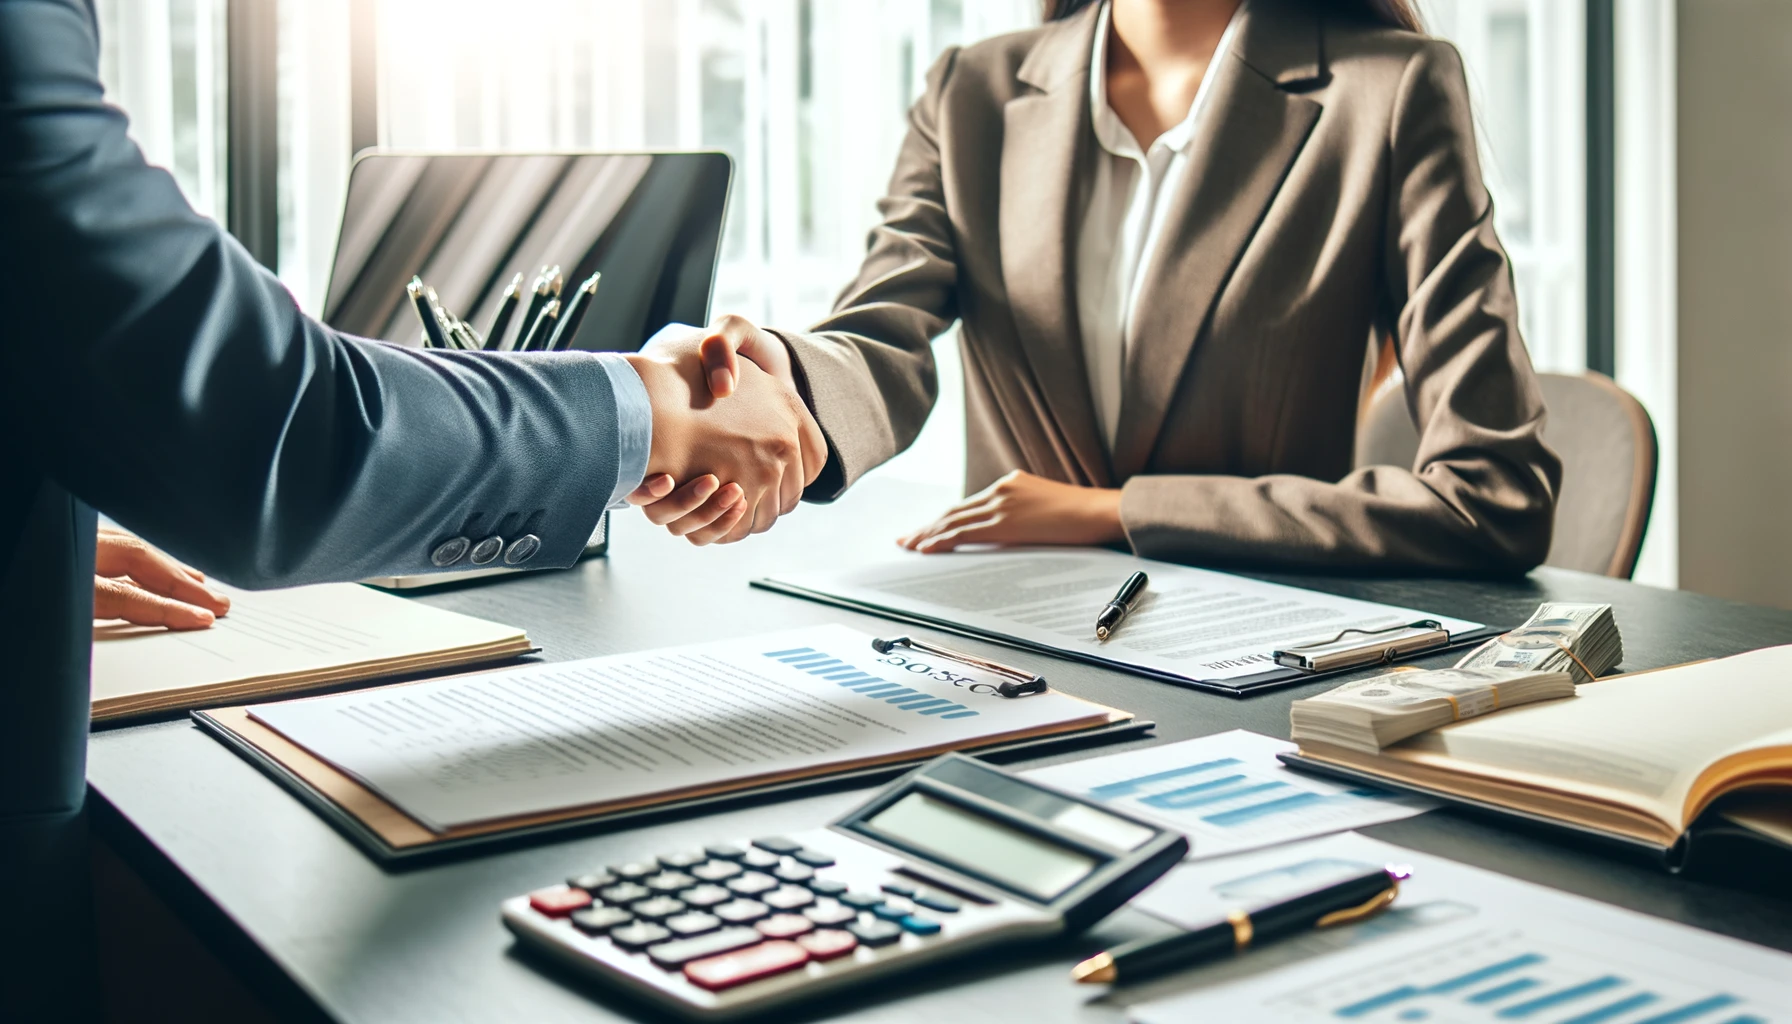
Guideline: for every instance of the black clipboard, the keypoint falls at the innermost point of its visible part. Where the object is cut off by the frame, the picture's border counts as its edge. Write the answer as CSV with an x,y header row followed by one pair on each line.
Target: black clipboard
x,y
394,858
1243,686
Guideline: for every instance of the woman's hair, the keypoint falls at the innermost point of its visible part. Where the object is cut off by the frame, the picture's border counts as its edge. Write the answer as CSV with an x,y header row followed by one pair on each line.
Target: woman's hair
x,y
1393,13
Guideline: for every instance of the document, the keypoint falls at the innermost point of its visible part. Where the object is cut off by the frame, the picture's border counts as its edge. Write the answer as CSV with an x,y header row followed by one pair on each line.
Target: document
x,y
1459,945
1189,624
278,641
620,730
1227,793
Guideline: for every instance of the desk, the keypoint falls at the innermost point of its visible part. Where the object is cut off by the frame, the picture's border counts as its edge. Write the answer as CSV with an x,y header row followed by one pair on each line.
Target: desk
x,y
322,933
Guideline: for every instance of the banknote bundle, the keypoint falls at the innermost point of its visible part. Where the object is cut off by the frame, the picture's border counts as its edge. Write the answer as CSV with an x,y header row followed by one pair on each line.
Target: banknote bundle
x,y
1579,639
1372,713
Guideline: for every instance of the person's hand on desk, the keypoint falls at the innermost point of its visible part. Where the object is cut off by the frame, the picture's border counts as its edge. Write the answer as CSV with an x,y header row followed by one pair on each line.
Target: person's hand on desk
x,y
1021,508
135,582
743,460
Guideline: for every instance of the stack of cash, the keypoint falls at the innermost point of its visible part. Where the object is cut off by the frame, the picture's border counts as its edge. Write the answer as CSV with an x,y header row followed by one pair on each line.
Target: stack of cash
x,y
1543,642
1369,714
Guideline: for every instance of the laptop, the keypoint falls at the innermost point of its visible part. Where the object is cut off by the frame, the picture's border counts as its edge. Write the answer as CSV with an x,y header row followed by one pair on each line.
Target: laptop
x,y
468,223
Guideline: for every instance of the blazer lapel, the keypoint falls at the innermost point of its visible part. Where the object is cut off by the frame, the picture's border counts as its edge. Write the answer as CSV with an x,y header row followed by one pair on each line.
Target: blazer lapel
x,y
1248,138
1045,145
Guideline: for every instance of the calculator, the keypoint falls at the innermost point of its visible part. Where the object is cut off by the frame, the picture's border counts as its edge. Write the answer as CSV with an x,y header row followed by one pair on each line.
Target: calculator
x,y
957,855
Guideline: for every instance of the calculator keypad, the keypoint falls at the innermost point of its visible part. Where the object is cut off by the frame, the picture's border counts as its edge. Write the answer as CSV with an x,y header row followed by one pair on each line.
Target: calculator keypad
x,y
735,913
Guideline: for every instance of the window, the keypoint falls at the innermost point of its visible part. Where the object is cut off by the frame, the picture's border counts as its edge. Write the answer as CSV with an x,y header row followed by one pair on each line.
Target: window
x,y
163,62
1526,67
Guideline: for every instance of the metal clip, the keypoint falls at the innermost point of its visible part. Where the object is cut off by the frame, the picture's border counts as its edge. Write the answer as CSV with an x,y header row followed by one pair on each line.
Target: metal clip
x,y
1021,682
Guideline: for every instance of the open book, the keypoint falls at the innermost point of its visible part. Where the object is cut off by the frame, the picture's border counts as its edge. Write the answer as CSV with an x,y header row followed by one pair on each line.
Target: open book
x,y
284,641
1639,757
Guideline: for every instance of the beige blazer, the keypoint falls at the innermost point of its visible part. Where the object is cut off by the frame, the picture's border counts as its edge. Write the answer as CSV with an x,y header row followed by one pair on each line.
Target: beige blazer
x,y
1333,189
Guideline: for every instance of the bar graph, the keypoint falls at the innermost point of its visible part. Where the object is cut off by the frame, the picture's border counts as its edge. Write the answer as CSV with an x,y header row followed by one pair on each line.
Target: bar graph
x,y
1510,976
1232,794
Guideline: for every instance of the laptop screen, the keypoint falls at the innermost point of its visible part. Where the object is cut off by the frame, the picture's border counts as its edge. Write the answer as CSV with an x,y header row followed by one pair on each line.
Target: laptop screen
x,y
467,223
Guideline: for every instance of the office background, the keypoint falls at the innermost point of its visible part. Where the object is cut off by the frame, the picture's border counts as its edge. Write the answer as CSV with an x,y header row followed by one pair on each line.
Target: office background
x,y
1635,149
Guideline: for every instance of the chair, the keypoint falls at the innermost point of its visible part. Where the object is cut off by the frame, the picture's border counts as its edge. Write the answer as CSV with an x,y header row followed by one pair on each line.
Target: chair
x,y
1607,445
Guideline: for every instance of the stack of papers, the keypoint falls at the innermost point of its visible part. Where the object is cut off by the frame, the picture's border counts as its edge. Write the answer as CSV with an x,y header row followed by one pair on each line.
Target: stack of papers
x,y
277,642
581,738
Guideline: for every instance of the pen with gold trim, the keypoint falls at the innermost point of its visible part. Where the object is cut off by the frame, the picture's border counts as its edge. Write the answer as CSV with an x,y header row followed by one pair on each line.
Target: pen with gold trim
x,y
1345,902
543,326
541,290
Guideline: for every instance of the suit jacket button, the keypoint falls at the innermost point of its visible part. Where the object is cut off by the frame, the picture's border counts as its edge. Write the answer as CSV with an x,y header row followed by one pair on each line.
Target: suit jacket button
x,y
522,549
449,552
487,550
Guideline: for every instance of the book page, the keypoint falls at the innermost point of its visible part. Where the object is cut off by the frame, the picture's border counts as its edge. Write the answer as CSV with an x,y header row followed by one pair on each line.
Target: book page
x,y
585,733
274,633
1648,736
1192,623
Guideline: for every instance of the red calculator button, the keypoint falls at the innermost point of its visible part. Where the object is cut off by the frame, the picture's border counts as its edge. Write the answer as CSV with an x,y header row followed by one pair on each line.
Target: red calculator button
x,y
828,943
559,902
785,926
730,969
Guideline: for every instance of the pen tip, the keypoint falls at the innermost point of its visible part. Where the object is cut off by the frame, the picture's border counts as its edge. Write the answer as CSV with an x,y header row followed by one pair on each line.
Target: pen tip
x,y
1101,632
1096,970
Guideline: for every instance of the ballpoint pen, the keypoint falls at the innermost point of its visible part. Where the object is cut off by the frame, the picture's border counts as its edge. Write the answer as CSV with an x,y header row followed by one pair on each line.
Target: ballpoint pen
x,y
539,294
1344,902
433,336
556,280
513,295
538,332
568,325
443,319
1117,609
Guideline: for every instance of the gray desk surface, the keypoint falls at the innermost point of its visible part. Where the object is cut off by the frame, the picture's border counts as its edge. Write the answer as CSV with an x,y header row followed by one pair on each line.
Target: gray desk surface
x,y
326,934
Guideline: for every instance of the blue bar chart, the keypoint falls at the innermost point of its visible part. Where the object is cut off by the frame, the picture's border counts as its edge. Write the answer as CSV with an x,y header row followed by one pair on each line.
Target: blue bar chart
x,y
1229,793
1512,977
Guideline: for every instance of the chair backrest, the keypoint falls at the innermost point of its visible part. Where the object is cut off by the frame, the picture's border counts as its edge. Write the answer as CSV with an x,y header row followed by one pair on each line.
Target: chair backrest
x,y
1607,445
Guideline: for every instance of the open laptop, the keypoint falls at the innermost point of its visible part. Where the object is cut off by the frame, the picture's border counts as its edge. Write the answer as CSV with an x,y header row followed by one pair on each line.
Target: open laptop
x,y
467,223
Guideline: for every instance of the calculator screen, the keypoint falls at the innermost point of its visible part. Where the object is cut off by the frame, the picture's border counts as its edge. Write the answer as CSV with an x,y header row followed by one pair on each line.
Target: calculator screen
x,y
1028,863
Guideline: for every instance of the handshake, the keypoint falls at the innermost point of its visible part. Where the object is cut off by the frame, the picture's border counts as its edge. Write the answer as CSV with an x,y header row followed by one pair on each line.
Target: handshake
x,y
734,444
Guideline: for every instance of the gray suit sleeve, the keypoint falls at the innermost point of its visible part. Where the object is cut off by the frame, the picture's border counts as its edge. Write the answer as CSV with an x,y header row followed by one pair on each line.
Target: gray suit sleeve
x,y
159,373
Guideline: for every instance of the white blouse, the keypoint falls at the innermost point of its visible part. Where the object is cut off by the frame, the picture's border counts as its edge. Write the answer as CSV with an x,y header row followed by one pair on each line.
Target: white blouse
x,y
1128,199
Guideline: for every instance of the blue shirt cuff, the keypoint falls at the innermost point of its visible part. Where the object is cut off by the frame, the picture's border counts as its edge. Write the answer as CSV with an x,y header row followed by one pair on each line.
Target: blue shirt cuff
x,y
634,425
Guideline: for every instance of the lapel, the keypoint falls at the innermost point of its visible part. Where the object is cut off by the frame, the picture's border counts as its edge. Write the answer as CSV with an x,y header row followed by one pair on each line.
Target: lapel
x,y
1045,145
1252,130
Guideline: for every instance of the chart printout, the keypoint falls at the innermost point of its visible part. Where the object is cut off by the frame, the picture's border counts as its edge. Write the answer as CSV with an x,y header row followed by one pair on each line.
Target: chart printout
x,y
1459,946
1227,793
575,734
1189,623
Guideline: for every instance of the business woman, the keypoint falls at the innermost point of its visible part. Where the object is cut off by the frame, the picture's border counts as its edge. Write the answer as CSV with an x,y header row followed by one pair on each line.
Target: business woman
x,y
1173,230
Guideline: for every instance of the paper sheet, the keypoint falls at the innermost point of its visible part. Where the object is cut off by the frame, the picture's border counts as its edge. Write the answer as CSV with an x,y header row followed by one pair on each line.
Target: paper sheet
x,y
573,734
1227,793
1191,623
272,633
1460,946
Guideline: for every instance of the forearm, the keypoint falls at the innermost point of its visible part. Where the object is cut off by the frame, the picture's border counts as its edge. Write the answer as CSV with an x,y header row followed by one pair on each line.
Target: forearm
x,y
1482,518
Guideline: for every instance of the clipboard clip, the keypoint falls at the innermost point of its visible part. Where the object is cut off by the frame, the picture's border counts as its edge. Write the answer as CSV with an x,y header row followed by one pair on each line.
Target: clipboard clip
x,y
1335,653
1017,682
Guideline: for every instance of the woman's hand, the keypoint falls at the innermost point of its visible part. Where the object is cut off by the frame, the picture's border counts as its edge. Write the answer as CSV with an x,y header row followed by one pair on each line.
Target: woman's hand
x,y
135,582
1022,508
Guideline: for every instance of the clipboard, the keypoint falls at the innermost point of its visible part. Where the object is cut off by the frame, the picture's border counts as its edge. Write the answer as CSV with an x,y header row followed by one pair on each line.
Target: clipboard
x,y
1241,686
395,841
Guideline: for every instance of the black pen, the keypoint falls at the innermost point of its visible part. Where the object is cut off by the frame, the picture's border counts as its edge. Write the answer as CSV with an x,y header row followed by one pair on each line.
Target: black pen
x,y
538,297
575,311
443,318
543,324
1345,902
494,334
1117,609
433,337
